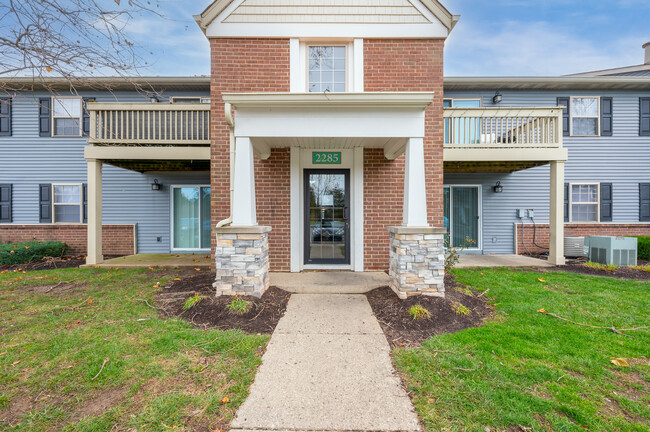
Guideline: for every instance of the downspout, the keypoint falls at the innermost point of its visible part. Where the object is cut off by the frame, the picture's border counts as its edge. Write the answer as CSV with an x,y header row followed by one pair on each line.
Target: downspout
x,y
231,126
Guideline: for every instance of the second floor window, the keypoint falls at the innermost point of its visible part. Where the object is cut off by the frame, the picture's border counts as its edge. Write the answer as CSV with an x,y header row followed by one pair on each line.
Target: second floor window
x,y
66,116
326,68
585,116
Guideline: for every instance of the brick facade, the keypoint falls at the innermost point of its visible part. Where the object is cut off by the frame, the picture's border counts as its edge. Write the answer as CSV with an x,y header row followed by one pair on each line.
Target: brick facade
x,y
251,65
525,233
401,65
116,239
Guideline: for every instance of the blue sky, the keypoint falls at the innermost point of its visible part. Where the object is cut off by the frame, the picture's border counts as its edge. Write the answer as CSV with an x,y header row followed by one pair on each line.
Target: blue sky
x,y
493,37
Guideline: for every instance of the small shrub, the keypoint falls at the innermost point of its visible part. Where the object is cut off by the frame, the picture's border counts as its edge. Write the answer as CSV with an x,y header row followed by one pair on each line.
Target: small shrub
x,y
419,312
645,268
453,253
239,306
192,301
464,290
643,243
21,253
460,309
604,267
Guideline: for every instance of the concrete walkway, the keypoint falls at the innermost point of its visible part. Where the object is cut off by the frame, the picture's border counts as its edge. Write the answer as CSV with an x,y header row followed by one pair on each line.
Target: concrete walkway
x,y
327,367
470,260
329,282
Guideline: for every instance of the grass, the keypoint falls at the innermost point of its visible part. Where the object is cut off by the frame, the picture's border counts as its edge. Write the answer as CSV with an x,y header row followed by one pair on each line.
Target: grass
x,y
598,266
161,375
419,312
239,306
531,369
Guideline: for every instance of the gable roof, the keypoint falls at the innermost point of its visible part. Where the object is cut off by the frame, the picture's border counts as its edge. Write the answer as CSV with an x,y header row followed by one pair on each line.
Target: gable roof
x,y
320,11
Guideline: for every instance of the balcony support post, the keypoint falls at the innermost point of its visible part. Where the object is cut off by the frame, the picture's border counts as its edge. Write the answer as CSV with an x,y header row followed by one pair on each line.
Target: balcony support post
x,y
556,214
244,210
94,255
415,195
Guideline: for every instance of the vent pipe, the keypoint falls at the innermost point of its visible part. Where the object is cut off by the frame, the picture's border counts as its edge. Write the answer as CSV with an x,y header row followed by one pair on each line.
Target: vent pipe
x,y
647,53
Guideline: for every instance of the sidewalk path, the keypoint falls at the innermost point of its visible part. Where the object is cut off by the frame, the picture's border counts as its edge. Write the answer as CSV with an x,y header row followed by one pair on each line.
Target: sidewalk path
x,y
327,367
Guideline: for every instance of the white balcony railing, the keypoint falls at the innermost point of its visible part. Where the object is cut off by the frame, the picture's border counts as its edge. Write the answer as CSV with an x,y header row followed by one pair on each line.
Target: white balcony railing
x,y
503,128
149,124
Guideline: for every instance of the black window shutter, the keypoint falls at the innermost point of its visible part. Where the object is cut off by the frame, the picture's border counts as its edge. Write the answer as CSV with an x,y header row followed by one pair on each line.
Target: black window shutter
x,y
86,116
606,116
45,203
5,116
45,117
566,124
644,202
5,203
566,202
85,203
644,116
606,202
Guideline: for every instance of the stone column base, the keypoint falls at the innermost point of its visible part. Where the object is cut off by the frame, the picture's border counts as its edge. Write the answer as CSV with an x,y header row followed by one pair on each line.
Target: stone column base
x,y
242,260
417,261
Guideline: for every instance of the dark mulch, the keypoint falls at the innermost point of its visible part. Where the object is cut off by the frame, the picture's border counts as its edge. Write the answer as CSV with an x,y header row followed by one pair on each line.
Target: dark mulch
x,y
403,331
578,266
211,312
51,263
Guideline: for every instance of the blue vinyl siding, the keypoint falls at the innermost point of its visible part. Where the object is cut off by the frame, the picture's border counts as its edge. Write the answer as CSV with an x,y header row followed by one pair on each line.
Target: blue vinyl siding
x,y
28,160
622,159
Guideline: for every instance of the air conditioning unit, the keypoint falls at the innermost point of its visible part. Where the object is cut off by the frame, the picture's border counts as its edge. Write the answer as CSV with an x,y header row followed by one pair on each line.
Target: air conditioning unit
x,y
620,251
574,247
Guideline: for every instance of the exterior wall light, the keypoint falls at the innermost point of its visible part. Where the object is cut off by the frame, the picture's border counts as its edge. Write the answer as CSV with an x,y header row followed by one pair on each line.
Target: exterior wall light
x,y
498,188
497,98
153,99
155,185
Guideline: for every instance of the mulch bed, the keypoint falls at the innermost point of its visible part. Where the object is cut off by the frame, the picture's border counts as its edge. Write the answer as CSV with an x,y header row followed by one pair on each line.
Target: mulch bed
x,y
578,266
403,331
211,312
51,263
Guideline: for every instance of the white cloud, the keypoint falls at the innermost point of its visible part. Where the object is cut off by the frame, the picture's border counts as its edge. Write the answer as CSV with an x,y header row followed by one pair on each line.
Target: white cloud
x,y
534,48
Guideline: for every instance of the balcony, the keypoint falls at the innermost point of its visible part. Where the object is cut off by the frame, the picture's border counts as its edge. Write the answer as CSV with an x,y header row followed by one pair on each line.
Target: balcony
x,y
502,139
150,136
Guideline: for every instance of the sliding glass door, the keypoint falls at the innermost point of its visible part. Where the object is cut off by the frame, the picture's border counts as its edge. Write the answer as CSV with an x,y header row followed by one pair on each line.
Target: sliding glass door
x,y
190,218
462,213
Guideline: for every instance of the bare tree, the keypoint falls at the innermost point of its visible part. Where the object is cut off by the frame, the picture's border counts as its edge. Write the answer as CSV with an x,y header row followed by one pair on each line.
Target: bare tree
x,y
47,41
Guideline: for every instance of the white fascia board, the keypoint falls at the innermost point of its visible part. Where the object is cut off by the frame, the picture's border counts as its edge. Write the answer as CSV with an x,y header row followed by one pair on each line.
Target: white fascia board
x,y
392,100
434,30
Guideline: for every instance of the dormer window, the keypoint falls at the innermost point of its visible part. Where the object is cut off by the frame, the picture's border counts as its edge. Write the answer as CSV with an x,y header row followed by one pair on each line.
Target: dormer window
x,y
327,68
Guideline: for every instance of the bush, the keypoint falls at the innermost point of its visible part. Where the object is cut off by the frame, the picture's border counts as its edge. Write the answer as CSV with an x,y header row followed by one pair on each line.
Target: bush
x,y
644,248
239,306
418,312
21,253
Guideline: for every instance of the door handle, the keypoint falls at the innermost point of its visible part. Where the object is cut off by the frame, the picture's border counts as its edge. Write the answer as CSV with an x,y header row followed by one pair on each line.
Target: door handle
x,y
346,213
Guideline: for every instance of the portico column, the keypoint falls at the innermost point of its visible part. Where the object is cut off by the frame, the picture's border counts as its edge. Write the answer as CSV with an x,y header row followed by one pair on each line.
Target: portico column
x,y
244,211
556,214
415,196
94,255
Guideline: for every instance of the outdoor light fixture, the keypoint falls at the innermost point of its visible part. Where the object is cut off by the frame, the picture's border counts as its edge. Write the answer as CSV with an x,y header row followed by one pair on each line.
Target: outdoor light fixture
x,y
153,99
498,188
155,185
497,97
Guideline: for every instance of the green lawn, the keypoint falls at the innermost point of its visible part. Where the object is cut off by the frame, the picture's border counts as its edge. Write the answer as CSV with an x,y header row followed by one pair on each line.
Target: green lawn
x,y
530,369
163,375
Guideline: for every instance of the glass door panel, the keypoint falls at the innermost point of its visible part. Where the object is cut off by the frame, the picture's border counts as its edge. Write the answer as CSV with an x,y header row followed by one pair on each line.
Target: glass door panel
x,y
205,218
191,218
465,216
327,217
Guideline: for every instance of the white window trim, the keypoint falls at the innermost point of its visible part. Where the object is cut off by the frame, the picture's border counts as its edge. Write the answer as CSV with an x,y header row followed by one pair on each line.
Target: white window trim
x,y
479,240
80,205
80,118
571,116
202,99
585,203
171,218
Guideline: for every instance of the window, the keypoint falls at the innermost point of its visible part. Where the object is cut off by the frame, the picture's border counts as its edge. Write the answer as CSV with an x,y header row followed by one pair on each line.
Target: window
x,y
66,116
189,99
585,116
327,68
66,203
191,217
584,205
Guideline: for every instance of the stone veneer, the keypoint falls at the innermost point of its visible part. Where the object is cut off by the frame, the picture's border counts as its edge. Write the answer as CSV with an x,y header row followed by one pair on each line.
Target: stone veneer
x,y
417,261
242,260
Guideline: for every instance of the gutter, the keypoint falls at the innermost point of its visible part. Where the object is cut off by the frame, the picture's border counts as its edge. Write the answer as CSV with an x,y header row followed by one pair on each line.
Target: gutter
x,y
231,125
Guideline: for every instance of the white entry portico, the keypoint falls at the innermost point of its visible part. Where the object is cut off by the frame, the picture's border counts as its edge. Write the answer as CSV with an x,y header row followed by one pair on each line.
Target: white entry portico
x,y
346,123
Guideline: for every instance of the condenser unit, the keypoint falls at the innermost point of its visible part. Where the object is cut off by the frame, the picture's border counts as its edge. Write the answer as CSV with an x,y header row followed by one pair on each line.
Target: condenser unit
x,y
574,247
620,251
